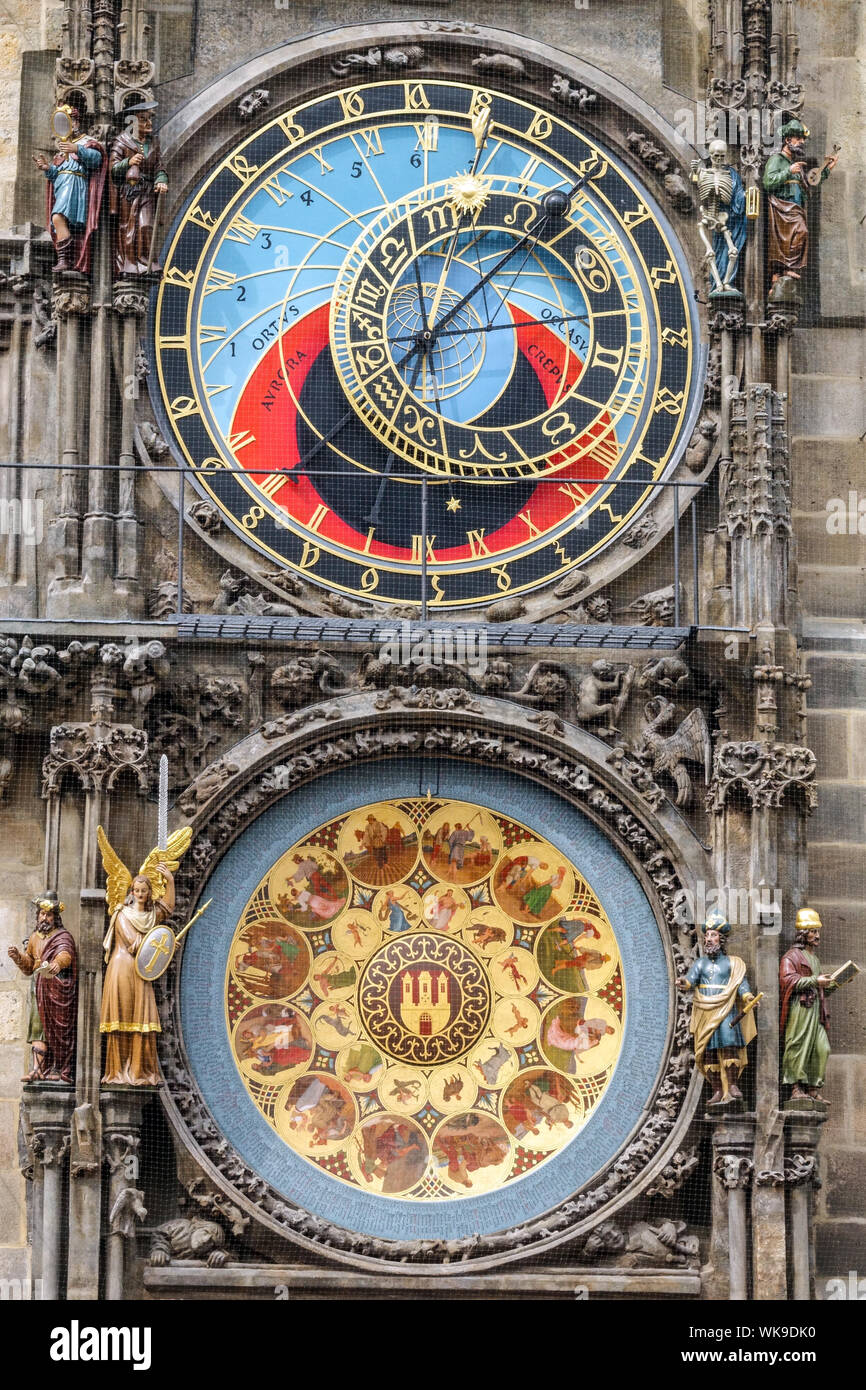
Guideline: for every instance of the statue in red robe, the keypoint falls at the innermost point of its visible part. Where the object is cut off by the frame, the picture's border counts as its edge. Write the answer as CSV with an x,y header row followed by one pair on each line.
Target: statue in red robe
x,y
50,959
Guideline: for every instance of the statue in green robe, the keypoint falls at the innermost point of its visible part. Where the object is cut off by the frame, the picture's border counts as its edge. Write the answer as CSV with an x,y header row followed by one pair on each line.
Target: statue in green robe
x,y
802,987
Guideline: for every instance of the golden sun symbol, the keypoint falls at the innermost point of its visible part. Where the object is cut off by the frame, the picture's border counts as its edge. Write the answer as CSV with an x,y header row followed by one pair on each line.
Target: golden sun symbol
x,y
468,194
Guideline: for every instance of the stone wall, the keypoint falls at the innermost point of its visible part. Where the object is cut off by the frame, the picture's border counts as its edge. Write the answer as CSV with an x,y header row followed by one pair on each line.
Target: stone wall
x,y
829,464
25,26
21,826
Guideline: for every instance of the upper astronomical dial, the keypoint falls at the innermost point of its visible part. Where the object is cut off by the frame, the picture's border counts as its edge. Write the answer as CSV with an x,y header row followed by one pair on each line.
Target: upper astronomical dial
x,y
293,374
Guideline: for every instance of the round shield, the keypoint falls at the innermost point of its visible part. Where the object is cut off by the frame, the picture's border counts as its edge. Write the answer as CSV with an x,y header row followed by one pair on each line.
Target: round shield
x,y
155,953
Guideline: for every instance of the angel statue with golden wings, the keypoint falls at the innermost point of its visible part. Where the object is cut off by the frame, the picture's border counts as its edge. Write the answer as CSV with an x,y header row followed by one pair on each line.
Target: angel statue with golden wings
x,y
129,1015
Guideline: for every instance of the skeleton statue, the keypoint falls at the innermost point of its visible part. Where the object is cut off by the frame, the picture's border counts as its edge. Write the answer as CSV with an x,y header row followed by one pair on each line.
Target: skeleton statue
x,y
722,226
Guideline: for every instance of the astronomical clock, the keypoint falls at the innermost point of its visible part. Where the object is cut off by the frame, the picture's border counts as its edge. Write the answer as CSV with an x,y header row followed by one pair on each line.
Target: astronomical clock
x,y
422,342
422,338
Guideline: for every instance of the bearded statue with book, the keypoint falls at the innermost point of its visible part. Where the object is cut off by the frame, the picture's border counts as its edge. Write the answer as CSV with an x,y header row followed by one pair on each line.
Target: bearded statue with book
x,y
802,989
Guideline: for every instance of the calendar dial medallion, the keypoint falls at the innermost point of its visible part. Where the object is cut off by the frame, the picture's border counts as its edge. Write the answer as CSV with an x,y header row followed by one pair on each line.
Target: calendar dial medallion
x,y
392,360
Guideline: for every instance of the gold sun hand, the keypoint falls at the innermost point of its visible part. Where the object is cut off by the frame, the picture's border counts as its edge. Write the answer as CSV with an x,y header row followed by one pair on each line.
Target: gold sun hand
x,y
480,129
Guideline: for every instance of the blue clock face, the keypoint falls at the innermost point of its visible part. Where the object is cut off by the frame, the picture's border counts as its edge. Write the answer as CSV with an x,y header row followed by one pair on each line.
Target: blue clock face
x,y
424,336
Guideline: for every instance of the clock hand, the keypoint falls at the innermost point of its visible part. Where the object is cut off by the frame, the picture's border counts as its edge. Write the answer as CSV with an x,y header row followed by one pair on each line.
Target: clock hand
x,y
555,204
372,517
553,322
480,126
294,473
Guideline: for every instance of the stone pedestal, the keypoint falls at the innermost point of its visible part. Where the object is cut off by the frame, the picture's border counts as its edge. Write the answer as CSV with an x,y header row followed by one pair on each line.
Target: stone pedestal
x,y
121,1135
49,1110
733,1140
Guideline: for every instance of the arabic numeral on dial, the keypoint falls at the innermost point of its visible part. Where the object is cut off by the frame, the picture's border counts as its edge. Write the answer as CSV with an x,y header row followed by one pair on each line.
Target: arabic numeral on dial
x,y
252,518
357,166
242,294
307,197
415,160
266,240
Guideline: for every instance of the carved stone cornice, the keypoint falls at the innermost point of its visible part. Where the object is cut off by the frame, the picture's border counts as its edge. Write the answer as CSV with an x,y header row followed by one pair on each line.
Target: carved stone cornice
x,y
483,736
765,772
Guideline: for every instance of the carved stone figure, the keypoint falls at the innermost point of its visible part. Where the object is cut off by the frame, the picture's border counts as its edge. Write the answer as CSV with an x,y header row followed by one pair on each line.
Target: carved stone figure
x,y
129,1015
595,609
804,1022
601,697
128,1207
189,1238
502,63
207,784
574,95
138,181
50,959
306,678
76,179
655,609
701,444
688,743
786,182
253,102
44,323
721,1027
723,224
238,594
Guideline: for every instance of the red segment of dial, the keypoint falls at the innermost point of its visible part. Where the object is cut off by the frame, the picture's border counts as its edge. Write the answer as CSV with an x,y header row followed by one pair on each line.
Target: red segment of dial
x,y
268,412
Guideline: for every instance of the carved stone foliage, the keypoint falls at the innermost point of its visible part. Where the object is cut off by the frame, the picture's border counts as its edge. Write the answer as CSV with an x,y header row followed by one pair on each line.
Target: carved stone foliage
x,y
764,772
733,1170
96,754
70,296
30,671
472,733
675,1173
73,76
191,719
130,298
